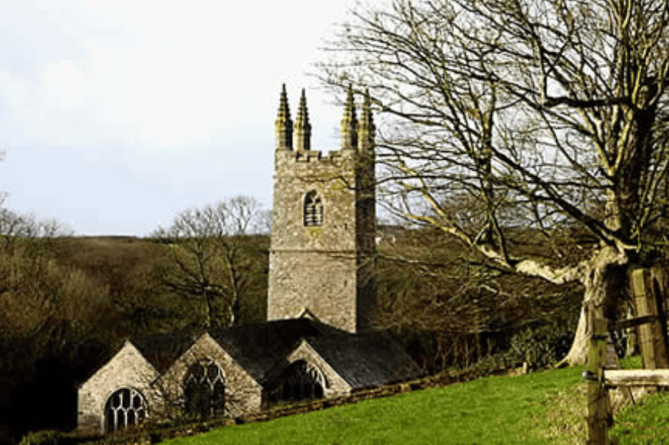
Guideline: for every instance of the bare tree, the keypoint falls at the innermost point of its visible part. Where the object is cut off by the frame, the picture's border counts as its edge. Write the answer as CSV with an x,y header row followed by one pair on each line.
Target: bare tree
x,y
537,114
207,251
40,298
28,230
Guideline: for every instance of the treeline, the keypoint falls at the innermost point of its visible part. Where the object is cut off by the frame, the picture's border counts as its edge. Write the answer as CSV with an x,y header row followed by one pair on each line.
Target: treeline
x,y
453,308
66,304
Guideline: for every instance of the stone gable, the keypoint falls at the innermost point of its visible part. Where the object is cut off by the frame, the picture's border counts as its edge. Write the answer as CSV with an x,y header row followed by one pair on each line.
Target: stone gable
x,y
336,386
243,393
127,369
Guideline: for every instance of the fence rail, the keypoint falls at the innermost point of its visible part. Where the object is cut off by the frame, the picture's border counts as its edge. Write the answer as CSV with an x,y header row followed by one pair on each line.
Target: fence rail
x,y
651,325
636,377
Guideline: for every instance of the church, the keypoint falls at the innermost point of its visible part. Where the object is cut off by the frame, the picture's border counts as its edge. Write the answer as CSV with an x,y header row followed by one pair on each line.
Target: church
x,y
317,341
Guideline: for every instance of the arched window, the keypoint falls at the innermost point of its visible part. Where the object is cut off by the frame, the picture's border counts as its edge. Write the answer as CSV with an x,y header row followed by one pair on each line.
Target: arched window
x,y
302,381
125,408
204,389
313,209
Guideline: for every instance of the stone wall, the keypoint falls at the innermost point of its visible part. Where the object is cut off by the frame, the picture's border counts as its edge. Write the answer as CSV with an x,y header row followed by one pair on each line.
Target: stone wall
x,y
318,267
324,283
243,395
127,369
336,386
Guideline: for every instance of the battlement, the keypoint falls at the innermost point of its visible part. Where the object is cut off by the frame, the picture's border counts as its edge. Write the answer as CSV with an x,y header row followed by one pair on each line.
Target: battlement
x,y
317,155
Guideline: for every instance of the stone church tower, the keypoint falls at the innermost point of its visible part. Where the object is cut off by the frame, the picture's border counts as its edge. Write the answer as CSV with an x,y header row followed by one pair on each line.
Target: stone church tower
x,y
323,221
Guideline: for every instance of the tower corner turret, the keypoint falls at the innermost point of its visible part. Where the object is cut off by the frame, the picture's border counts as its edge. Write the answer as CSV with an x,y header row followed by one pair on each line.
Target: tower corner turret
x,y
283,126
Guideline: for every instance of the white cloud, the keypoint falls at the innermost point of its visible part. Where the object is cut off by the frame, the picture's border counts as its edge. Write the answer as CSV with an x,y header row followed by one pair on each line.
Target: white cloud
x,y
162,74
65,86
189,89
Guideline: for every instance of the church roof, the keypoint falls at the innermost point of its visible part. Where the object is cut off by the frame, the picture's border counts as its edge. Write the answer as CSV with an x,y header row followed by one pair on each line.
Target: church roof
x,y
161,350
362,360
260,346
365,360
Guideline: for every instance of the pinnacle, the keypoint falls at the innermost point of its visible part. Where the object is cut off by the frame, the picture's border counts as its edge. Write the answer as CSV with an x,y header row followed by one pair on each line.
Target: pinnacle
x,y
349,123
283,126
284,111
366,119
302,125
349,111
302,120
366,129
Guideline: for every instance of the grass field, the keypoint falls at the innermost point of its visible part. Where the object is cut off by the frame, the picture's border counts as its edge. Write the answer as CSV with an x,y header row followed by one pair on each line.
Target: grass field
x,y
539,408
646,423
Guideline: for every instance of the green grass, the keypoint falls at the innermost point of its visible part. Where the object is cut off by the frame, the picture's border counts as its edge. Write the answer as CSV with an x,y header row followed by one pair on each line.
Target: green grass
x,y
646,422
633,362
539,408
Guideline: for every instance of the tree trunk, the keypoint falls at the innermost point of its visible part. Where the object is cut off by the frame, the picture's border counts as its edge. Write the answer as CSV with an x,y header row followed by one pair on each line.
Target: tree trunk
x,y
578,352
606,274
208,310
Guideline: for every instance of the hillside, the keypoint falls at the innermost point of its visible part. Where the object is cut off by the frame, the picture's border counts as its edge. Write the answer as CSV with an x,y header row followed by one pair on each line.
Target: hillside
x,y
68,302
540,408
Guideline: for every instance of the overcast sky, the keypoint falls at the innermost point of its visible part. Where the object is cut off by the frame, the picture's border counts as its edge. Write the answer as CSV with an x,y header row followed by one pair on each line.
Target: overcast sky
x,y
115,115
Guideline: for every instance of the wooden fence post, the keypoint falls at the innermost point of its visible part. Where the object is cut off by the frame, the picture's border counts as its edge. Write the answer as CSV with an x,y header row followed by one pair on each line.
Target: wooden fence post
x,y
651,337
660,286
597,396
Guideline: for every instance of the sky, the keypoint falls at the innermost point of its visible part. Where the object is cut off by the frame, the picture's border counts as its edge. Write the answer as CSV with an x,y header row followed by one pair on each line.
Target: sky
x,y
116,115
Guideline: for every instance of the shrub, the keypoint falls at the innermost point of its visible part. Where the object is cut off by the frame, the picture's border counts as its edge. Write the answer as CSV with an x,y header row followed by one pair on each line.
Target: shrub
x,y
540,346
41,438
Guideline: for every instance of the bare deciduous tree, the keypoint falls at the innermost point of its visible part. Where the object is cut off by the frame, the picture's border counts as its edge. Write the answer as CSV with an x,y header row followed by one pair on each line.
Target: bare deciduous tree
x,y
535,113
207,250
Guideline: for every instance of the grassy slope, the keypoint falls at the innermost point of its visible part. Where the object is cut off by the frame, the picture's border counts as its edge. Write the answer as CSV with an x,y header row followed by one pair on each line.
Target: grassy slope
x,y
645,423
540,408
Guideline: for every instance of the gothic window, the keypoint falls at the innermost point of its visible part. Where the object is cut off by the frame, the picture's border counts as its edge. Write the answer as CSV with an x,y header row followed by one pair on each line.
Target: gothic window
x,y
125,408
313,209
302,381
204,389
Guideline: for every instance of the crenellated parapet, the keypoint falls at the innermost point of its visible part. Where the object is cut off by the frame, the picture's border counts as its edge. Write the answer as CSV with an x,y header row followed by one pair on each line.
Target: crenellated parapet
x,y
356,136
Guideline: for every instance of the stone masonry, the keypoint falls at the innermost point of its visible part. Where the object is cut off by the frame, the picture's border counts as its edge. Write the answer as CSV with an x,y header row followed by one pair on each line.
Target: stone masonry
x,y
242,393
326,268
335,386
128,369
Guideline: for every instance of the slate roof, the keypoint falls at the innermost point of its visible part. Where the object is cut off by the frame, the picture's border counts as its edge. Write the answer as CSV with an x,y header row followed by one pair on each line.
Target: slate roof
x,y
365,360
362,360
260,346
162,350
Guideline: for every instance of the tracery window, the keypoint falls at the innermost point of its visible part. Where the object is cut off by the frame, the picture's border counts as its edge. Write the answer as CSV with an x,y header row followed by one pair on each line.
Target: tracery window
x,y
302,381
125,408
204,389
313,209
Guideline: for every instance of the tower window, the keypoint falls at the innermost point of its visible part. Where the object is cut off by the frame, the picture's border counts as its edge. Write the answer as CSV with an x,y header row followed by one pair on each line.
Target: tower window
x,y
313,209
